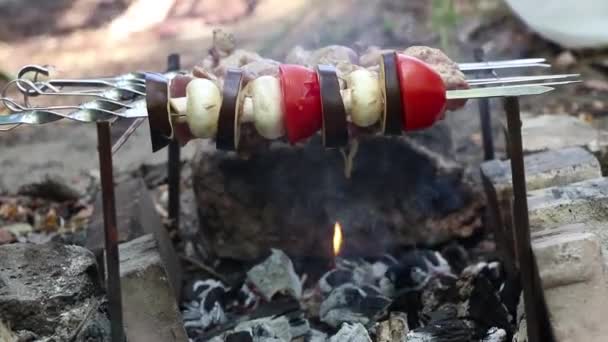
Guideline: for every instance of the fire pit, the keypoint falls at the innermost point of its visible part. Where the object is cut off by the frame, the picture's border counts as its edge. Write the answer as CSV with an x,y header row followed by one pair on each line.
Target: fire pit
x,y
348,236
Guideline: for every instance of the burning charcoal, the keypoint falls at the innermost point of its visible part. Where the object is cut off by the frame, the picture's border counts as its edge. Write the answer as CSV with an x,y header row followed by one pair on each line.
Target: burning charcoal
x,y
333,279
351,333
394,329
299,327
246,297
416,268
480,300
349,303
241,336
495,335
208,308
438,293
457,256
444,331
275,275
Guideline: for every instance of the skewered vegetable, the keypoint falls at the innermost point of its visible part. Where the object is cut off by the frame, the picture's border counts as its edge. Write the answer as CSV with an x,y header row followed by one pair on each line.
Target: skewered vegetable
x,y
265,93
203,107
298,101
229,123
422,93
335,131
301,100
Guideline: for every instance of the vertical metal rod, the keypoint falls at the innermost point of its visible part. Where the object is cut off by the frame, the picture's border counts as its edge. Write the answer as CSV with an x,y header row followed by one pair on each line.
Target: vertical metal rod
x,y
485,118
174,162
539,326
104,140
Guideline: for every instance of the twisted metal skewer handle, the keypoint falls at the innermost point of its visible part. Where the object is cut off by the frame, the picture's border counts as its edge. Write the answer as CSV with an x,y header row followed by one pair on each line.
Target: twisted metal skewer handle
x,y
112,97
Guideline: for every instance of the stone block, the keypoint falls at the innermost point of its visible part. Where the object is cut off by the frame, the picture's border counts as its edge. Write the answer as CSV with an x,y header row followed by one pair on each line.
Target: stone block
x,y
581,202
46,289
136,216
149,306
567,255
551,132
543,169
572,272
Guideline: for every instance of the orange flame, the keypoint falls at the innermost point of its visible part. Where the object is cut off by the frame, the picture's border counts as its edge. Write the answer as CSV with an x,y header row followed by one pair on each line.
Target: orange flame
x,y
337,238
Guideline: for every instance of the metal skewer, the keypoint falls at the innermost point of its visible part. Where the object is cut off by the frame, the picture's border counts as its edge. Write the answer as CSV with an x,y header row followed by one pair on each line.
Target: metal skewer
x,y
123,96
506,64
517,79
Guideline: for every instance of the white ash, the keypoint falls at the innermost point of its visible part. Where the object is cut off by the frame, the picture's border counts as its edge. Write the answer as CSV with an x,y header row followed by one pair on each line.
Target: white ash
x,y
495,335
208,309
351,333
261,330
361,273
392,330
275,275
316,336
351,304
416,268
248,298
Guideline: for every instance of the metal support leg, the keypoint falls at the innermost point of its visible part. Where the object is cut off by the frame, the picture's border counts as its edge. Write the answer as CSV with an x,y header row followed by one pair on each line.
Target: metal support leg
x,y
174,162
111,232
484,117
539,326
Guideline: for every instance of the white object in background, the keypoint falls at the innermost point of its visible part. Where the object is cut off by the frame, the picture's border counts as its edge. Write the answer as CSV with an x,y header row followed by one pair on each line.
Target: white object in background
x,y
570,23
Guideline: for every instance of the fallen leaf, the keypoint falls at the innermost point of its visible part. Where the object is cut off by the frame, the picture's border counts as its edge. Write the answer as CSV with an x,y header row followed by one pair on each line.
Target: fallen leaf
x,y
9,211
51,221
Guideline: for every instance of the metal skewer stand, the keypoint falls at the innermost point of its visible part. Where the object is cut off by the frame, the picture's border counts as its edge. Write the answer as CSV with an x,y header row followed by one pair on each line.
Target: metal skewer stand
x,y
112,257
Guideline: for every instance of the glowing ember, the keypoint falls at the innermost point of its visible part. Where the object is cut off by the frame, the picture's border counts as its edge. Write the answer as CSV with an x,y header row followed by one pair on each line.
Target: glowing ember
x,y
337,238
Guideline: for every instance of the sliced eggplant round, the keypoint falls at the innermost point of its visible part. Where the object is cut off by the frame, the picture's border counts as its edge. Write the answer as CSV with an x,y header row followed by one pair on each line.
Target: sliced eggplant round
x,y
334,129
392,118
157,104
229,123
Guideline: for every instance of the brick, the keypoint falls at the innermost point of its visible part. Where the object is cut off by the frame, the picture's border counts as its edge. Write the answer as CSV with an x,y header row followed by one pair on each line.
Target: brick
x,y
136,216
571,267
150,308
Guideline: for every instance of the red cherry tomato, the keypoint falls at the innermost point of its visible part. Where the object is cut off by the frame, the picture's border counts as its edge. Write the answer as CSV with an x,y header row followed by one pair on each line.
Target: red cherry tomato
x,y
422,93
301,100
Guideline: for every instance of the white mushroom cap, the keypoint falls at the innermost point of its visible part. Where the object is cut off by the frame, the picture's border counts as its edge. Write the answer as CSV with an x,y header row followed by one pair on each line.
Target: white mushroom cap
x,y
203,107
365,105
266,96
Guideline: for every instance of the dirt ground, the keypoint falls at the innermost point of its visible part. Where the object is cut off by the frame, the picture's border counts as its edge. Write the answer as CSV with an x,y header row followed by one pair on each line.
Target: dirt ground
x,y
75,37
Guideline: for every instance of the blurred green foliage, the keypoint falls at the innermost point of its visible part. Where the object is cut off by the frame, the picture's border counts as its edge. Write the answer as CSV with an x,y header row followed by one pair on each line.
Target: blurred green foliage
x,y
443,20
